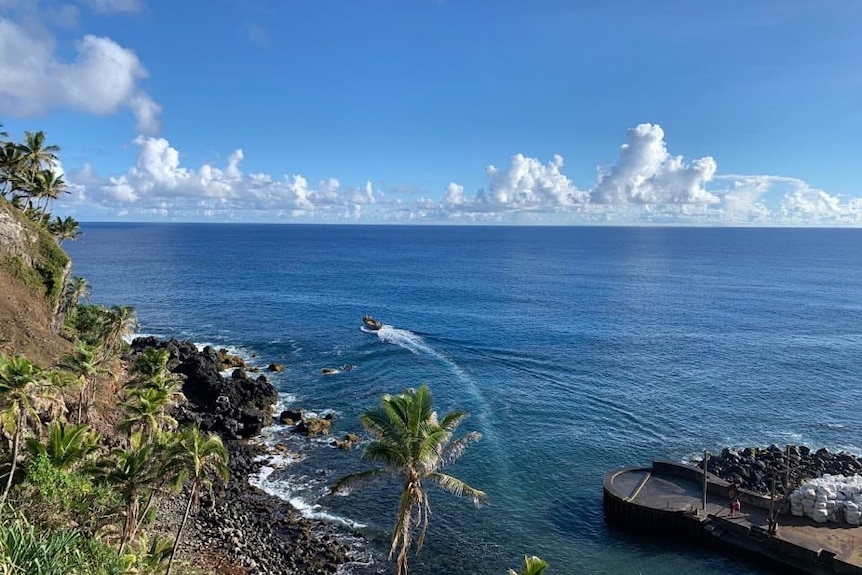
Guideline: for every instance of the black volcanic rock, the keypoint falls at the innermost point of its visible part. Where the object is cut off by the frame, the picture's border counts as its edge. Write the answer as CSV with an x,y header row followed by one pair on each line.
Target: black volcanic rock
x,y
233,407
753,468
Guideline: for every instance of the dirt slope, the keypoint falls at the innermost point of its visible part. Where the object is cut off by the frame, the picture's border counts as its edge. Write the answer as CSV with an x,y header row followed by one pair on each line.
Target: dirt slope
x,y
25,324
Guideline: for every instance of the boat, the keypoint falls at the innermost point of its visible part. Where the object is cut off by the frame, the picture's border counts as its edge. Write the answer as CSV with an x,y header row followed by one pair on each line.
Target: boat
x,y
371,323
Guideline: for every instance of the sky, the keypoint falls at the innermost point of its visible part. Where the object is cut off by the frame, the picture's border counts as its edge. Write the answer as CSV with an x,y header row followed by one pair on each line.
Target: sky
x,y
524,112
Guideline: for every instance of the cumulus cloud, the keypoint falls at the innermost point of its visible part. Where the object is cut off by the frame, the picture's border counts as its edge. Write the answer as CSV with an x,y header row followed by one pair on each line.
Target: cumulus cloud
x,y
647,185
647,174
102,78
159,183
529,184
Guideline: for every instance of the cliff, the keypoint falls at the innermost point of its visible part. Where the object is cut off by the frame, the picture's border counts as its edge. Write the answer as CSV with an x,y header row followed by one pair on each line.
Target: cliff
x,y
33,273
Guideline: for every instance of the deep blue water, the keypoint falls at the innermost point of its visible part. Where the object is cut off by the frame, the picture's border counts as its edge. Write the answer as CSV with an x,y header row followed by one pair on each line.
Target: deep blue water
x,y
576,350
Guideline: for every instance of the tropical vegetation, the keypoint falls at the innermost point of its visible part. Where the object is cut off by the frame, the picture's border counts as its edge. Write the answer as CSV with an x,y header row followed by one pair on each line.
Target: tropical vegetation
x,y
74,500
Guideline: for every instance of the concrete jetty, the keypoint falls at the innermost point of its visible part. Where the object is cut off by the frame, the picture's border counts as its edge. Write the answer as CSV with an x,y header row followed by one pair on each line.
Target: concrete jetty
x,y
667,498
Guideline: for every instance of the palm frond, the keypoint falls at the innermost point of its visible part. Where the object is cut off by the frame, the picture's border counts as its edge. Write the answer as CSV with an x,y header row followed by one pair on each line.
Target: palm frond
x,y
355,478
457,487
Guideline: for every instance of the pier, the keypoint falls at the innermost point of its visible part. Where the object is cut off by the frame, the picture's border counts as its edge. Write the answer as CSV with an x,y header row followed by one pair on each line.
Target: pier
x,y
668,499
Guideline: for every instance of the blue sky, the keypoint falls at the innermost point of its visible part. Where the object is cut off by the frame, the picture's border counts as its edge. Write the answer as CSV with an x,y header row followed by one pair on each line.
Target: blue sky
x,y
735,112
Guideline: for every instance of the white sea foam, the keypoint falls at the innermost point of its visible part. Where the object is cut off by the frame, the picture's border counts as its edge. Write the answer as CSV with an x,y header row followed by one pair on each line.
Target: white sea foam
x,y
290,491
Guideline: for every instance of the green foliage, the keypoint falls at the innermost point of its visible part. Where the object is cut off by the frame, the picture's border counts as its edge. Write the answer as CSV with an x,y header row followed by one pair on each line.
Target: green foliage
x,y
25,548
51,267
87,323
54,498
532,566
66,446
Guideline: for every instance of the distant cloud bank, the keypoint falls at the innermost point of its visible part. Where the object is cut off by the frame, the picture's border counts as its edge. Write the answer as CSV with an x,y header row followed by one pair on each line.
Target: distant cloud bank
x,y
646,185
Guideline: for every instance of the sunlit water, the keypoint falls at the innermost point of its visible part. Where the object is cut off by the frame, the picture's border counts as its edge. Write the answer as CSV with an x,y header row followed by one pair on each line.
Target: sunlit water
x,y
576,350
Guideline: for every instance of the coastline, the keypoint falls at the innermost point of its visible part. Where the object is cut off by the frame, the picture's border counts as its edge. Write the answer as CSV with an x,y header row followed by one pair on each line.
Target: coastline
x,y
242,529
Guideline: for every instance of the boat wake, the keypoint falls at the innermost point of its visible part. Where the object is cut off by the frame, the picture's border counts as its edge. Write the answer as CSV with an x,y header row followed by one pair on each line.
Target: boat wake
x,y
414,343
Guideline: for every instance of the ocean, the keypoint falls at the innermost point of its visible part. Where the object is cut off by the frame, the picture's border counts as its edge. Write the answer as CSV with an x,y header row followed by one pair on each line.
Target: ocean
x,y
576,350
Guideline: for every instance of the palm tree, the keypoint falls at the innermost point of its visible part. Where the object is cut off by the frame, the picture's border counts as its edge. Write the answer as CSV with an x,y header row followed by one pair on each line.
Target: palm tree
x,y
413,446
36,154
132,472
24,388
77,289
65,446
86,363
121,322
145,413
153,368
64,229
11,168
198,457
532,566
47,185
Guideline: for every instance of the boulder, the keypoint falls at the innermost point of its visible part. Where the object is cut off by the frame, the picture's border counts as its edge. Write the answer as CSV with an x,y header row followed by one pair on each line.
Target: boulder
x,y
290,416
313,426
276,367
228,360
349,441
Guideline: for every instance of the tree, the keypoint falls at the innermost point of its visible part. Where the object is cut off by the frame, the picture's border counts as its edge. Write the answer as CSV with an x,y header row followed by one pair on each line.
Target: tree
x,y
24,388
77,289
36,154
65,445
413,446
47,185
11,169
197,457
145,413
153,368
532,566
121,322
64,229
86,363
132,472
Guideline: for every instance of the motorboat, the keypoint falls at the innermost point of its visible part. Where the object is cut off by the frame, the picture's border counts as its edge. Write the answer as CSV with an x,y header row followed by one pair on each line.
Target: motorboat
x,y
371,323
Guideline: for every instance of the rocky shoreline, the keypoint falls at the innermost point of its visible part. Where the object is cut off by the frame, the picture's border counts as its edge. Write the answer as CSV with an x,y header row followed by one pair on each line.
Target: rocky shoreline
x,y
753,468
242,530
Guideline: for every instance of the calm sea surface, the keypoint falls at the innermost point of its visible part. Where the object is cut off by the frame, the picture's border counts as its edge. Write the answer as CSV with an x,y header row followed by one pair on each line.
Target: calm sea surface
x,y
576,350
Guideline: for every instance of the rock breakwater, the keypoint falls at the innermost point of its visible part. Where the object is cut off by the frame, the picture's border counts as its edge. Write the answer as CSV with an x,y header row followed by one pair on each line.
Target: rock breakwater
x,y
754,468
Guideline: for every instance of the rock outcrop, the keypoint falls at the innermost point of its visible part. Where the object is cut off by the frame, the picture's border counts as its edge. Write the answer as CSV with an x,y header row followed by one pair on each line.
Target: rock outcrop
x,y
235,407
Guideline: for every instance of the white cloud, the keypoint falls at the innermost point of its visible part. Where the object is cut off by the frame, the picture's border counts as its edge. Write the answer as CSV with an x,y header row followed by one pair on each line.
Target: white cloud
x,y
646,186
115,6
101,79
528,184
158,183
647,174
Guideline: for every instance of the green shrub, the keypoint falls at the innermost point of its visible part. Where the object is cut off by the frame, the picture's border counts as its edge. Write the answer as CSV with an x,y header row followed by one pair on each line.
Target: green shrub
x,y
54,498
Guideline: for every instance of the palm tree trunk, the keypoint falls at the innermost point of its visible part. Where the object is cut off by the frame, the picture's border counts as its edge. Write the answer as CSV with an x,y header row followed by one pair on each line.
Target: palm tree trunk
x,y
182,526
81,401
16,444
143,515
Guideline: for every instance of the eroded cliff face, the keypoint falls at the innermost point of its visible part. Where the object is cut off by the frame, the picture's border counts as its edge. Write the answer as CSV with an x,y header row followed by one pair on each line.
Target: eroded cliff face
x,y
16,238
33,272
